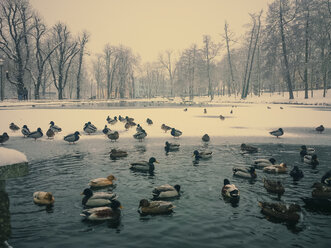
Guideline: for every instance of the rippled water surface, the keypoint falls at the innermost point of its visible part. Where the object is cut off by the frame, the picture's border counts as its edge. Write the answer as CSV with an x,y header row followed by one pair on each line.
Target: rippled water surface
x,y
201,217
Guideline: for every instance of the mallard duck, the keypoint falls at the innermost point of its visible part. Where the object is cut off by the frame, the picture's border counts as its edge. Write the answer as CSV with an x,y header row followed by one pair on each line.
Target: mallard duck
x,y
102,182
202,155
144,166
43,198
55,128
321,191
89,128
311,159
165,128
113,136
103,213
36,134
72,138
127,126
281,211
50,133
114,153
185,109
13,127
306,151
273,186
155,207
261,162
166,191
121,119
243,172
139,128
281,107
230,190
106,130
140,135
326,178
231,112
3,138
248,149
281,168
97,199
149,121
25,131
205,111
277,133
129,119
268,107
170,147
205,138
113,121
175,133
320,129
296,173
222,117
108,119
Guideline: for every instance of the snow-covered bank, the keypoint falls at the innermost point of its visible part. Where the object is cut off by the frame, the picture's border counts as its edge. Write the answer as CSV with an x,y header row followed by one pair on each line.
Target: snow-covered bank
x,y
12,163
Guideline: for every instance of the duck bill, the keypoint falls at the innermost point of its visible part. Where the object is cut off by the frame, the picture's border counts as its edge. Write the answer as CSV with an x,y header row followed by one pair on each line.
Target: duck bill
x,y
121,207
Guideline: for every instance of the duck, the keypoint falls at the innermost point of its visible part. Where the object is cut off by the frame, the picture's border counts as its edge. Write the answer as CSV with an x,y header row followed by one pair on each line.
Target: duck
x,y
144,166
121,119
296,173
127,125
261,162
115,153
205,138
98,199
13,127
273,186
281,168
268,107
139,128
306,151
231,112
277,133
321,191
326,178
50,133
185,109
320,129
25,131
102,182
36,134
43,198
170,147
281,211
176,133
140,135
155,207
106,130
3,138
108,119
55,128
230,190
243,172
165,128
72,138
113,121
103,213
311,160
202,155
222,117
129,119
149,121
248,149
113,136
166,191
281,107
89,128
205,111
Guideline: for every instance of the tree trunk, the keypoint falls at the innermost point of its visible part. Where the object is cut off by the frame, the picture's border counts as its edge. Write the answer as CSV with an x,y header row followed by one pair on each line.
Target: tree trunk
x,y
229,58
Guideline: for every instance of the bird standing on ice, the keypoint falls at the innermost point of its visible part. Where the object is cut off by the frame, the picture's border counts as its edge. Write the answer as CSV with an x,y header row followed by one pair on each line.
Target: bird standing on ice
x,y
72,138
277,133
320,129
175,133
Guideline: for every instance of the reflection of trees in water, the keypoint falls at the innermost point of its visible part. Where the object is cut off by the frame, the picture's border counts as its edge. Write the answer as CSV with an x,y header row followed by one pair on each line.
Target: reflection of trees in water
x,y
4,218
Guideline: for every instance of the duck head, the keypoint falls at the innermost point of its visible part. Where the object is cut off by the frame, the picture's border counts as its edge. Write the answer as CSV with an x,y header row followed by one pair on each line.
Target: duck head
x,y
252,170
295,167
25,126
52,123
314,157
272,160
39,129
144,203
48,196
226,182
167,144
177,187
115,204
111,178
304,147
5,135
152,160
283,165
243,146
87,192
76,133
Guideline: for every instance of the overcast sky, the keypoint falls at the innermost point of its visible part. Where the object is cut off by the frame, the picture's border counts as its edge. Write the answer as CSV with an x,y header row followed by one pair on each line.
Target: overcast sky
x,y
149,26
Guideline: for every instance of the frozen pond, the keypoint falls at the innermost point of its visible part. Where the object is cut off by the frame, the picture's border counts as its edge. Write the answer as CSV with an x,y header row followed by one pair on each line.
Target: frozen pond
x,y
201,217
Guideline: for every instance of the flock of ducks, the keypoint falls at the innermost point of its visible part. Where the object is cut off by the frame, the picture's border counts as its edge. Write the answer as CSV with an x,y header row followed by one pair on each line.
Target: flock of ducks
x,y
105,205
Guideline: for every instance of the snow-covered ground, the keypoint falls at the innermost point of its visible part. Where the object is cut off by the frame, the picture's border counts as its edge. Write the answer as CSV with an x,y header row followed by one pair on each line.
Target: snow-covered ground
x,y
11,156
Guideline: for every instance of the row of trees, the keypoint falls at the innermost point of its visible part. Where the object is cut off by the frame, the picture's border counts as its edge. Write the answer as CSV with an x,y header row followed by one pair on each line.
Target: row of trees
x,y
287,48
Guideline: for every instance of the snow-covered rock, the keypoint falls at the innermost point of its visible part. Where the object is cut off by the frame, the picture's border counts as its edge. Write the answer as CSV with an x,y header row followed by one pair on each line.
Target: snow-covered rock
x,y
12,163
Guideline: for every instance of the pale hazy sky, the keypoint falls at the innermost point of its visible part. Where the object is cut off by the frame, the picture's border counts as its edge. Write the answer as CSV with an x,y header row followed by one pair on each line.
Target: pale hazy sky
x,y
149,26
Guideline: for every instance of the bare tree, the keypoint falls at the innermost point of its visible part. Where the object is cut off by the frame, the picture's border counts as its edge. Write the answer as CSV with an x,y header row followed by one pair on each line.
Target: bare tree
x,y
82,43
169,64
228,38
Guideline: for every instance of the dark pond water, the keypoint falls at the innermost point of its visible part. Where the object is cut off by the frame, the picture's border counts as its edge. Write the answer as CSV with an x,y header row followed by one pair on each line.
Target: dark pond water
x,y
201,217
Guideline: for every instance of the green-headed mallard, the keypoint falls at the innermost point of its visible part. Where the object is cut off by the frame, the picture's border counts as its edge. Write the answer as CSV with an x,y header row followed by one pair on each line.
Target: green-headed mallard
x,y
89,128
243,172
176,133
296,173
277,133
36,134
166,191
155,207
25,131
144,166
55,128
170,147
140,135
3,138
311,160
165,128
97,199
320,129
206,138
202,155
72,138
261,163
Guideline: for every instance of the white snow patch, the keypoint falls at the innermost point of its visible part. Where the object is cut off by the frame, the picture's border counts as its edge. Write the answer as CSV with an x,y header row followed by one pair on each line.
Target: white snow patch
x,y
11,156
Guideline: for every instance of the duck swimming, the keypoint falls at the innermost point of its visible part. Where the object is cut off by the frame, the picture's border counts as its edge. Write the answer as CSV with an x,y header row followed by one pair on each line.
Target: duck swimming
x,y
202,155
296,173
311,160
25,131
273,186
326,178
98,199
3,138
155,207
165,128
72,138
102,182
243,172
114,153
13,127
320,129
170,147
166,191
277,133
144,166
281,211
321,191
176,133
248,149
43,198
36,134
206,138
261,163
103,213
282,168
306,151
55,128
230,190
